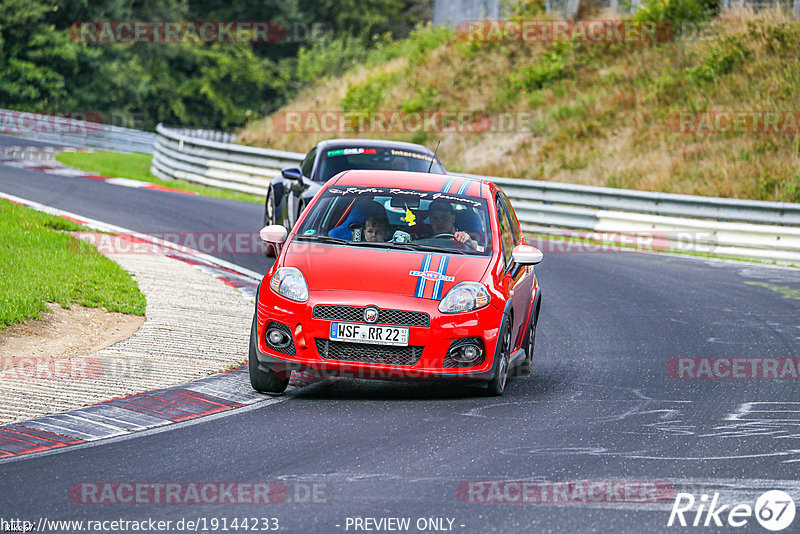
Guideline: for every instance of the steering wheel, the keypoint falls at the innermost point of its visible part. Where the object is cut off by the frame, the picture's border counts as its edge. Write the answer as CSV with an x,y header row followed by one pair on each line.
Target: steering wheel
x,y
453,237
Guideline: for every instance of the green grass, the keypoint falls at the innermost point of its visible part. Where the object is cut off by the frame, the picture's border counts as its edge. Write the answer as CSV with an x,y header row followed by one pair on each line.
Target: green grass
x,y
40,263
137,167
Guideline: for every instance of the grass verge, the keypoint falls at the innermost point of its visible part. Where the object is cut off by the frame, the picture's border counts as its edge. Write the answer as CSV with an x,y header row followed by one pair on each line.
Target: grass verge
x,y
137,167
40,263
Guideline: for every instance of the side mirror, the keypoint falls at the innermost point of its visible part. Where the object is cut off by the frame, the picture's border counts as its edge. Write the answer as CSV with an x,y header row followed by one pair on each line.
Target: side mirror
x,y
526,255
273,234
292,173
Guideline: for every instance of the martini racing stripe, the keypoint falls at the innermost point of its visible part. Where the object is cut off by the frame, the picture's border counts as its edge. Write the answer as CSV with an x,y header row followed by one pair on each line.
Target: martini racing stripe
x,y
421,281
465,186
439,284
447,185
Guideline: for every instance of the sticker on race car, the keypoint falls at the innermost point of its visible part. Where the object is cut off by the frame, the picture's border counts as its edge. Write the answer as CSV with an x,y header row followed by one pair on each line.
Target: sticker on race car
x,y
350,151
438,277
309,232
407,154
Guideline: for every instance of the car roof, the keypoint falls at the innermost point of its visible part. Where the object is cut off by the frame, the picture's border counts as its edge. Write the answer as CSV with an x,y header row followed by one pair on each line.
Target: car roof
x,y
445,183
372,143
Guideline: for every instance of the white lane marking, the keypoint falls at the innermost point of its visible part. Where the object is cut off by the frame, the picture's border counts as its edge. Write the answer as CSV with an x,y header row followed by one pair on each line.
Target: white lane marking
x,y
105,227
126,182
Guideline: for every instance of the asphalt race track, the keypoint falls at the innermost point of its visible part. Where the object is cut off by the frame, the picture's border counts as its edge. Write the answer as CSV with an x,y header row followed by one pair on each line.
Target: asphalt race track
x,y
601,406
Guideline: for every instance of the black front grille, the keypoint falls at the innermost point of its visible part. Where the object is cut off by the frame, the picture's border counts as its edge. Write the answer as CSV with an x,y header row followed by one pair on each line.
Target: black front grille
x,y
289,349
356,314
364,353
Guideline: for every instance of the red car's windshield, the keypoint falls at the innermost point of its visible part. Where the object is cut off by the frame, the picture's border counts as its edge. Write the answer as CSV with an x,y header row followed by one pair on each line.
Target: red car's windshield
x,y
358,215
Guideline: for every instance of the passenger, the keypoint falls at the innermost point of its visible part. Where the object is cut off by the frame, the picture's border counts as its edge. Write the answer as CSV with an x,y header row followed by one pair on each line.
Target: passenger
x,y
377,229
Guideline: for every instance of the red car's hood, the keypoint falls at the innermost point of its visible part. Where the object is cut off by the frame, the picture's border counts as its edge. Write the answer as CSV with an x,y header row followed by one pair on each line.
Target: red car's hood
x,y
382,270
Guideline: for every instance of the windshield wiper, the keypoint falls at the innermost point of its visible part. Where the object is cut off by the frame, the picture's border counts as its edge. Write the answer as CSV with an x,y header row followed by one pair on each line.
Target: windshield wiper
x,y
381,244
429,248
322,239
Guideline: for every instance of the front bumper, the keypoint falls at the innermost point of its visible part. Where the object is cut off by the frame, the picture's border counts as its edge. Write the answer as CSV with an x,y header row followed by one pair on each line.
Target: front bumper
x,y
424,358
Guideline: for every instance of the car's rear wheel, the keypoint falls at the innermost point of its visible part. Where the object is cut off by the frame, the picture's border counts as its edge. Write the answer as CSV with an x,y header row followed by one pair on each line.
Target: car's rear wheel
x,y
524,369
497,385
269,381
269,219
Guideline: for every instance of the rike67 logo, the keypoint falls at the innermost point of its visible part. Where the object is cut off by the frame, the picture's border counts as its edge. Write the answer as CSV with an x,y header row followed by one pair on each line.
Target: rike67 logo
x,y
774,510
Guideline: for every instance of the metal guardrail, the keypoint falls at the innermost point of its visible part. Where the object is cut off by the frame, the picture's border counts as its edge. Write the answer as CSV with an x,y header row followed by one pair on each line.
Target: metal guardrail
x,y
177,154
67,131
722,226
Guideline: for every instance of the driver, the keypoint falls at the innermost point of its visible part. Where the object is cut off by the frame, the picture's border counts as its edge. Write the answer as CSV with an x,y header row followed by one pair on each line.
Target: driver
x,y
442,221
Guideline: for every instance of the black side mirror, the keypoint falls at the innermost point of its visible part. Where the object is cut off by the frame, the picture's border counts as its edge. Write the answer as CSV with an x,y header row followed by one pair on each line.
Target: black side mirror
x,y
292,173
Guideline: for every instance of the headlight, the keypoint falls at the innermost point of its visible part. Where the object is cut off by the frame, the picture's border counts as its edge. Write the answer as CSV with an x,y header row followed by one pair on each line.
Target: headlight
x,y
289,282
466,296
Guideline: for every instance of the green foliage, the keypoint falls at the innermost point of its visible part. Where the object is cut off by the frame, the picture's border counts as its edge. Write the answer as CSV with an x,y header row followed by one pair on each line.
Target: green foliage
x,y
44,67
538,74
366,96
544,69
677,12
721,60
329,57
425,39
524,9
423,100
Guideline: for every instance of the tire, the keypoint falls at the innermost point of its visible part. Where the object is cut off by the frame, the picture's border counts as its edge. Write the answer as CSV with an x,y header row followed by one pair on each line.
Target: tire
x,y
524,369
268,381
269,219
269,208
497,385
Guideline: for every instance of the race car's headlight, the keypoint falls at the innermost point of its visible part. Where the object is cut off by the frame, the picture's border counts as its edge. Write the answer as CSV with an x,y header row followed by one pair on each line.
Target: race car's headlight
x,y
289,282
466,296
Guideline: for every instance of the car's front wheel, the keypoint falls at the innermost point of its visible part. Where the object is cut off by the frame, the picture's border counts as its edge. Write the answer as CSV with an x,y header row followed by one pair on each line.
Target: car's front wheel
x,y
502,357
269,381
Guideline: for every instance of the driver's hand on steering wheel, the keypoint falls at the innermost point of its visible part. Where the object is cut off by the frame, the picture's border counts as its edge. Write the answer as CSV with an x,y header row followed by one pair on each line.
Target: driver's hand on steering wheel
x,y
463,237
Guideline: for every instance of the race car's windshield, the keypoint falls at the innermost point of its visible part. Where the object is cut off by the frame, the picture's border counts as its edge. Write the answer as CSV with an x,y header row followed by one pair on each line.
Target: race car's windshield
x,y
399,218
332,162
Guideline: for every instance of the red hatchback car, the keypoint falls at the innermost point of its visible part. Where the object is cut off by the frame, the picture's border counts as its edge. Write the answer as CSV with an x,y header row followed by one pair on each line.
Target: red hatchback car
x,y
398,275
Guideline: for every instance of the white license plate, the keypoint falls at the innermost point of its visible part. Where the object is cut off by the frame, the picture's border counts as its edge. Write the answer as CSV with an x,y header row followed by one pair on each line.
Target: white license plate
x,y
365,333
